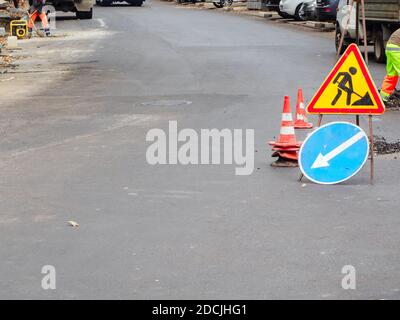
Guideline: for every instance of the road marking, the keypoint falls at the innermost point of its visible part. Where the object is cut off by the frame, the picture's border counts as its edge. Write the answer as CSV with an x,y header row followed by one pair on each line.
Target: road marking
x,y
134,120
323,160
102,23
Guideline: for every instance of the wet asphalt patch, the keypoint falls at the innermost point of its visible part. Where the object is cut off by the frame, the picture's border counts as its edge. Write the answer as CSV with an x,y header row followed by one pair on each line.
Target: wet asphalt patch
x,y
166,103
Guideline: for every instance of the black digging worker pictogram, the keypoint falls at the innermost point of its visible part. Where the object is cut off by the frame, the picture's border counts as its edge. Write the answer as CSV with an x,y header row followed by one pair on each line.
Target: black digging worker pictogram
x,y
346,84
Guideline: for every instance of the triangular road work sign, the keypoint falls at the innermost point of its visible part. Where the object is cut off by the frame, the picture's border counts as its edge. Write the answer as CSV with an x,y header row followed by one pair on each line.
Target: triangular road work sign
x,y
348,89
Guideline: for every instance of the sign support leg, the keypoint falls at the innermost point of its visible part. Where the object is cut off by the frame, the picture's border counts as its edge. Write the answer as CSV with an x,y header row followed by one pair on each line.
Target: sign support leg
x,y
371,144
346,28
357,25
319,120
364,31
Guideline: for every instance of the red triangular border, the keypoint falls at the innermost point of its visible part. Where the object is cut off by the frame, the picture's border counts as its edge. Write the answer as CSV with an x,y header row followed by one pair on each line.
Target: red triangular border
x,y
381,107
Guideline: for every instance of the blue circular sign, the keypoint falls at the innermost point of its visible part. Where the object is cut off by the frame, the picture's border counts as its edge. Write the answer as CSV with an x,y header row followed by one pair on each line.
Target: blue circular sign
x,y
334,153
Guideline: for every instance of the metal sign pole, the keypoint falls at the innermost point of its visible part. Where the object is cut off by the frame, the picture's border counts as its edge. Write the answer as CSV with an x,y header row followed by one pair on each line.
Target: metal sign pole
x,y
364,25
346,28
371,127
371,142
357,25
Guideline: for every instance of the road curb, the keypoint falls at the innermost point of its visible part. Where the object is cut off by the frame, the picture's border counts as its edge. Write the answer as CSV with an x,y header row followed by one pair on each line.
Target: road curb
x,y
241,8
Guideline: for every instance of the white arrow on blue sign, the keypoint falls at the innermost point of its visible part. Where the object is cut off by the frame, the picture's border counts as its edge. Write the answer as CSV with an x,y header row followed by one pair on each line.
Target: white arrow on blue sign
x,y
334,153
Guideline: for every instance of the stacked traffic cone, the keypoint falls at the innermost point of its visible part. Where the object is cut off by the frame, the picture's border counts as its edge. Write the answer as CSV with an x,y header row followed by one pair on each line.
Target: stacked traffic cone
x,y
301,121
286,147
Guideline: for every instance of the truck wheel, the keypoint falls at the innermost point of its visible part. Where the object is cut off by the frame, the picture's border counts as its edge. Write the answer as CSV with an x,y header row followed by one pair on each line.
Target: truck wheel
x,y
85,15
379,47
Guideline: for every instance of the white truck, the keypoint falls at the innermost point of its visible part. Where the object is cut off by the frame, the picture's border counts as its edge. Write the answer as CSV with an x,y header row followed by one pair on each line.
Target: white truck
x,y
82,8
382,19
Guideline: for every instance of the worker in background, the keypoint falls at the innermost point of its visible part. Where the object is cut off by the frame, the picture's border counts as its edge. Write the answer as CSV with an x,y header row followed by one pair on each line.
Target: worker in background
x,y
36,10
392,66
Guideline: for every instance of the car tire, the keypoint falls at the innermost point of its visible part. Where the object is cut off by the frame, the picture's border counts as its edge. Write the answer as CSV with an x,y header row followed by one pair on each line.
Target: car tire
x,y
379,46
302,14
219,4
297,12
85,15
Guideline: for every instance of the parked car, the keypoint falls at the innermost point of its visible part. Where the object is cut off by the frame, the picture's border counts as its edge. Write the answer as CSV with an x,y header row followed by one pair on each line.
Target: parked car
x,y
104,3
186,1
327,10
291,8
308,10
222,3
273,5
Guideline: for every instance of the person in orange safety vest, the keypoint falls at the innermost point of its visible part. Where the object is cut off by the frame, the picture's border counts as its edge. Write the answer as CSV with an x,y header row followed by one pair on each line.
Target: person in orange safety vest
x,y
36,10
392,66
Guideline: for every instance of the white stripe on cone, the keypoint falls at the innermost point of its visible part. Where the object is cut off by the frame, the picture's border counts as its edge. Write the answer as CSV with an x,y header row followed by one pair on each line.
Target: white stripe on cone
x,y
287,130
287,117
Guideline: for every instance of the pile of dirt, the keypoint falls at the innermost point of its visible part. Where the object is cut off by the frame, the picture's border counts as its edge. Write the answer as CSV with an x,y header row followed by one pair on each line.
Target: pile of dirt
x,y
394,101
381,146
12,10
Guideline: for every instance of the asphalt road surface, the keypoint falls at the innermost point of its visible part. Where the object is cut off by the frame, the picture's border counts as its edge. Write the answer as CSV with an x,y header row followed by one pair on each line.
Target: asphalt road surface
x,y
76,150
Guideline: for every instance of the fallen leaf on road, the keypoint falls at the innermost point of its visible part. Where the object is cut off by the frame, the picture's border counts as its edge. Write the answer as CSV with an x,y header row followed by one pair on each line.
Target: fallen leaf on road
x,y
73,223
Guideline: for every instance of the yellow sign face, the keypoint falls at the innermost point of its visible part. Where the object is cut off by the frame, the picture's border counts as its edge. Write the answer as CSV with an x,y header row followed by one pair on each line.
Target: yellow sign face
x,y
348,89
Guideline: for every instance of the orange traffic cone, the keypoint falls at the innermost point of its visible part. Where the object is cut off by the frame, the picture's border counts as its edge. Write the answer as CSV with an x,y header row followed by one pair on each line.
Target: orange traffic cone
x,y
301,121
289,155
287,137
